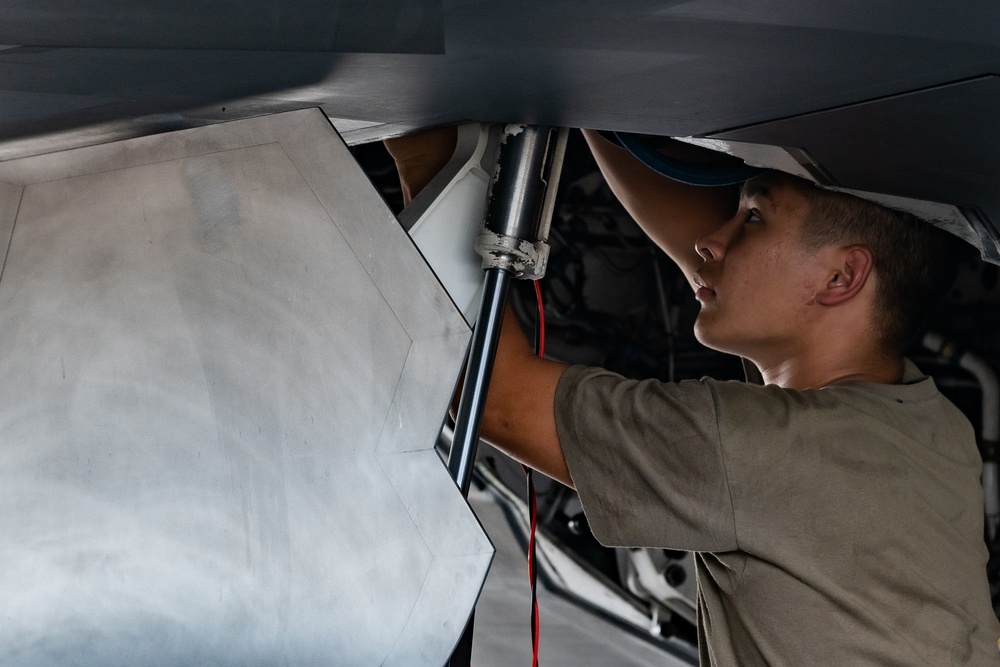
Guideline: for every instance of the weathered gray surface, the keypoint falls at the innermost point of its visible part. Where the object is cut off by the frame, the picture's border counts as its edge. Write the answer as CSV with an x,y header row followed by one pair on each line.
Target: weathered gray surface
x,y
225,366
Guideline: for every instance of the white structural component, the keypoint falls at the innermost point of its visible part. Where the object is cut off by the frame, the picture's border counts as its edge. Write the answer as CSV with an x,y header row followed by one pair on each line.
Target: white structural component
x,y
990,430
225,369
445,219
645,575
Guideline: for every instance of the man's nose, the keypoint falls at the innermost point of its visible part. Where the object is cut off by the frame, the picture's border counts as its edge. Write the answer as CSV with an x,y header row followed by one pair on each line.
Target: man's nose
x,y
711,246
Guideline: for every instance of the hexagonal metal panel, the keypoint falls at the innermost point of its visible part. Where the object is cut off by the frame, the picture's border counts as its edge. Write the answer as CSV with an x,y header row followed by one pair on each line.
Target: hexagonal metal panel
x,y
225,366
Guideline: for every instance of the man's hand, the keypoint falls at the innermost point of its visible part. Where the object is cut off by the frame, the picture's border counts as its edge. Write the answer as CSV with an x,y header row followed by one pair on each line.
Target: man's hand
x,y
419,157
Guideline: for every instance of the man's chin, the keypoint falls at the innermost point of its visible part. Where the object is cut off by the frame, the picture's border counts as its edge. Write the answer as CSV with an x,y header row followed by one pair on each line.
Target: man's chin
x,y
703,333
708,336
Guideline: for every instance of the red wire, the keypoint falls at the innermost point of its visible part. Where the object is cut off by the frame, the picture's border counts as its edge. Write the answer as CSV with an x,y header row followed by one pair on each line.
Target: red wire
x,y
533,575
541,319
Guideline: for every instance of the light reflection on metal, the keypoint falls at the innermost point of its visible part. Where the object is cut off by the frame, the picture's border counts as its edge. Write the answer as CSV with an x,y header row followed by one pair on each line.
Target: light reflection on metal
x,y
225,369
472,402
514,204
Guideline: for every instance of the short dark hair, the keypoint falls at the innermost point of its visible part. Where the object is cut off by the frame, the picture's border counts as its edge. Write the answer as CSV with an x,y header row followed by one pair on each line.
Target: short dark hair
x,y
915,263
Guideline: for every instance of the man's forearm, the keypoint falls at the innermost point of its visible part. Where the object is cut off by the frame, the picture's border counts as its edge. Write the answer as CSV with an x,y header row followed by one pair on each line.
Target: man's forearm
x,y
674,215
520,405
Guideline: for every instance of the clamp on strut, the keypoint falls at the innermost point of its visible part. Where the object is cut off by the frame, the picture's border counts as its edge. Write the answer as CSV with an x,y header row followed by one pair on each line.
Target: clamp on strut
x,y
523,259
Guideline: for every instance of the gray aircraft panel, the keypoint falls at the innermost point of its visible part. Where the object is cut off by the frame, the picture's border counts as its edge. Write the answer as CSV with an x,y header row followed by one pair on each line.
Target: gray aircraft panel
x,y
82,73
225,368
674,68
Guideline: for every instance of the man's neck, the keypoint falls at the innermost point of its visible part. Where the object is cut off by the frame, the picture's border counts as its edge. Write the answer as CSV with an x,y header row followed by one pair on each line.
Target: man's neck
x,y
802,373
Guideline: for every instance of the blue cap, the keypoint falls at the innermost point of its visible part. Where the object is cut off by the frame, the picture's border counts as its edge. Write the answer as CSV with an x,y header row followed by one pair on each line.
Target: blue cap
x,y
723,170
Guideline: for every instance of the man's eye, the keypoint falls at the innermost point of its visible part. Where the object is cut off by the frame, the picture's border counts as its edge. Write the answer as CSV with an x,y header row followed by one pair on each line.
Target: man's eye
x,y
753,215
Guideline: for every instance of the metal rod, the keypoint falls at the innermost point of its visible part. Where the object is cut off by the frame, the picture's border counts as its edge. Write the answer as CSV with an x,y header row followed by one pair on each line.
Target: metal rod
x,y
485,337
514,203
517,191
553,173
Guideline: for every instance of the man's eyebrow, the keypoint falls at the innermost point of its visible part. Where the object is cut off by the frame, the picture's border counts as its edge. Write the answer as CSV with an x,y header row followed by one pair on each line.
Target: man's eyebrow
x,y
752,189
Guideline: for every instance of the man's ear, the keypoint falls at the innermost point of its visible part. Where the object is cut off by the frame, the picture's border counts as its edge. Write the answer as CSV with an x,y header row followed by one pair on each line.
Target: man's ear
x,y
851,269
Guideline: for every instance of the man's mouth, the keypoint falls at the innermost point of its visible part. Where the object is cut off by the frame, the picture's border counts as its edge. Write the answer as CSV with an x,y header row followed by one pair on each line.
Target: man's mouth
x,y
704,291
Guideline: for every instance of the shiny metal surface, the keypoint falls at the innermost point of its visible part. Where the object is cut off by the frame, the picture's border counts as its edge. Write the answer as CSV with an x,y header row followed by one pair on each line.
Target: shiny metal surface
x,y
554,172
517,190
225,368
514,202
482,350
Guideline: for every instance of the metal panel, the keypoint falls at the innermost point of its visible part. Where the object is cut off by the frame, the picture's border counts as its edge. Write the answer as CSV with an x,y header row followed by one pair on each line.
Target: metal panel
x,y
225,366
84,72
391,26
658,66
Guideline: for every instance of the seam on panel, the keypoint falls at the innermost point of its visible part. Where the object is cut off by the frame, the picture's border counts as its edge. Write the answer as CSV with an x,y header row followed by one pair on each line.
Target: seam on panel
x,y
13,224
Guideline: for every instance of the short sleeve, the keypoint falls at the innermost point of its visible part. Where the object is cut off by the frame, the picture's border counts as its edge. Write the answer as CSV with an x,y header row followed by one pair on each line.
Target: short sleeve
x,y
646,458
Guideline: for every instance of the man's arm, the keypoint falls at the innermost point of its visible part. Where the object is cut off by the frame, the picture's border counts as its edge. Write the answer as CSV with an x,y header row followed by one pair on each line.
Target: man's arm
x,y
519,418
674,215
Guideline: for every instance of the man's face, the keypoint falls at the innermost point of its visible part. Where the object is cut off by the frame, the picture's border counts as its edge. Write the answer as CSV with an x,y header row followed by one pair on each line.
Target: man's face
x,y
757,280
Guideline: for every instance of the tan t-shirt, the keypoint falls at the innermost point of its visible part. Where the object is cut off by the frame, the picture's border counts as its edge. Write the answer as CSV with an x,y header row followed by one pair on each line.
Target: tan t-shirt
x,y
836,526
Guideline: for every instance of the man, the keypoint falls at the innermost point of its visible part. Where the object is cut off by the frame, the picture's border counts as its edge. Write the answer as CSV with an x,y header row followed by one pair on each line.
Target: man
x,y
835,512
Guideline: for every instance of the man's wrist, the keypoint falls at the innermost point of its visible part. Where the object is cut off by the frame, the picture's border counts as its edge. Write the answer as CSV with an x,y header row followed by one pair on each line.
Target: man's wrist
x,y
420,156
